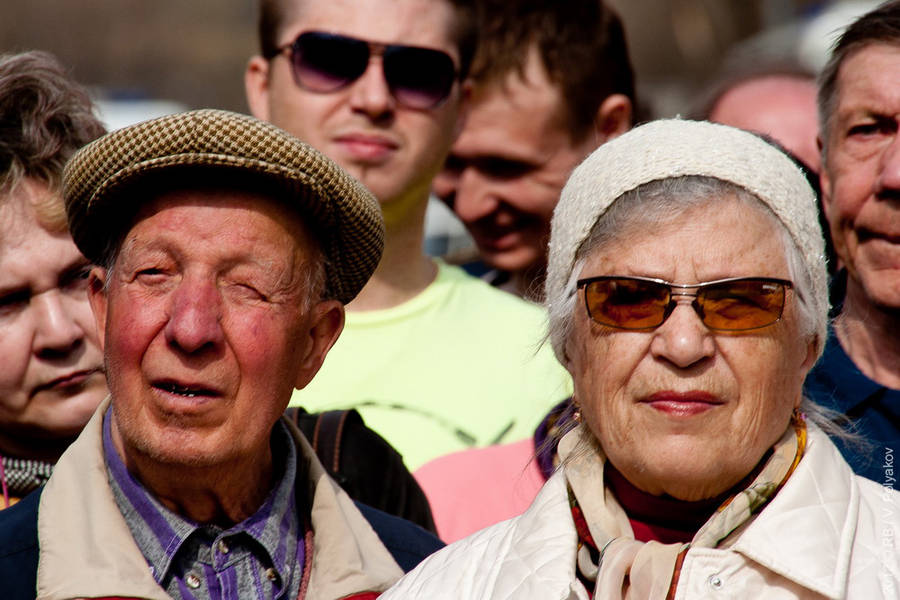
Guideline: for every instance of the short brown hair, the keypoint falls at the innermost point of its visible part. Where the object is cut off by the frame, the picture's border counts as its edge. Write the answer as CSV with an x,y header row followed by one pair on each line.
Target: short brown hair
x,y
45,117
880,26
274,13
581,43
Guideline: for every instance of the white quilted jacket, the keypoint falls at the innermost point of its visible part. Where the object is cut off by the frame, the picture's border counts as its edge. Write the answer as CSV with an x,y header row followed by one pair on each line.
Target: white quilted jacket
x,y
827,534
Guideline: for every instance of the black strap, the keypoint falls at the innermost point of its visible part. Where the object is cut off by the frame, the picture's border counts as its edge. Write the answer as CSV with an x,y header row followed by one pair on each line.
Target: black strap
x,y
363,463
327,438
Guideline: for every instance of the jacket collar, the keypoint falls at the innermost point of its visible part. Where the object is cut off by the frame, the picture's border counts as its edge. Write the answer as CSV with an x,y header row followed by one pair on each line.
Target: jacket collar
x,y
816,512
86,548
822,490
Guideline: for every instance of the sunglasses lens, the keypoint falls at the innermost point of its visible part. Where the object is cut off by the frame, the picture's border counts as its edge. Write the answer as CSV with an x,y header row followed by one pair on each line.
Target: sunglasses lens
x,y
419,77
626,303
325,63
742,305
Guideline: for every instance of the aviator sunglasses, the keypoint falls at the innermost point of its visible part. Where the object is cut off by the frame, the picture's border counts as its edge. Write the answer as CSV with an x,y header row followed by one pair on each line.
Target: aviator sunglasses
x,y
419,78
737,304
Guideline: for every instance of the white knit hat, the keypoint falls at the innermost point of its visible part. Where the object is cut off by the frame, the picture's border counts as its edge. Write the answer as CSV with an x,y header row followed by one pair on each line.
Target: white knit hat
x,y
674,148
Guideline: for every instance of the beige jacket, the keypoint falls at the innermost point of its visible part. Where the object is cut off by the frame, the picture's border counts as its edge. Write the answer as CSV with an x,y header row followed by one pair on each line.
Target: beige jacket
x,y
827,534
86,548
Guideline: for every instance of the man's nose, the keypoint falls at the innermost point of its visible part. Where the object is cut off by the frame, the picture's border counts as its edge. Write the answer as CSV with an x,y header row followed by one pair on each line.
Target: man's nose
x,y
57,332
888,182
370,94
444,185
683,339
475,198
195,315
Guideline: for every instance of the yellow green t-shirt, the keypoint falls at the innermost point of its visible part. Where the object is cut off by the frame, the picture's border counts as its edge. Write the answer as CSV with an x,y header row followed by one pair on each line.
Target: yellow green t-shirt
x,y
460,365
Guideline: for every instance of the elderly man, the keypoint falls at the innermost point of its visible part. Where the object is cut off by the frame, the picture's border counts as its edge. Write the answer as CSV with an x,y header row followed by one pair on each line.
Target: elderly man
x,y
434,359
859,104
552,81
775,100
228,249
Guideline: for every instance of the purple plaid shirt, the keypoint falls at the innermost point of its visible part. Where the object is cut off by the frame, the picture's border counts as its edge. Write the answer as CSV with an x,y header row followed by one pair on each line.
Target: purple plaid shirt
x,y
261,557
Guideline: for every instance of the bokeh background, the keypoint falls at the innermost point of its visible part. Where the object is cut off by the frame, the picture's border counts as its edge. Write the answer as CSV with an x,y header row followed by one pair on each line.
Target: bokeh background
x,y
157,56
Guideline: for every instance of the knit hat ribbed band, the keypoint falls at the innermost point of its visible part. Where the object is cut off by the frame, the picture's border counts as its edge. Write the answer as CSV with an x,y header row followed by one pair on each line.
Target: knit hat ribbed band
x,y
674,148
99,181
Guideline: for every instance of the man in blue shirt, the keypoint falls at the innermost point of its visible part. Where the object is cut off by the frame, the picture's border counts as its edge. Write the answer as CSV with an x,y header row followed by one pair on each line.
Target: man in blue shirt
x,y
859,114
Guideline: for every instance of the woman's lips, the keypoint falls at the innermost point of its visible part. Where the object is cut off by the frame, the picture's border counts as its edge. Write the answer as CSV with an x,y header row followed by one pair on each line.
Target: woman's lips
x,y
683,404
74,379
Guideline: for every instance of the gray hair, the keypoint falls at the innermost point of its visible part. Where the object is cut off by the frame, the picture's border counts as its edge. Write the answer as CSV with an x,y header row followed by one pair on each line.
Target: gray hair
x,y
675,149
879,26
658,202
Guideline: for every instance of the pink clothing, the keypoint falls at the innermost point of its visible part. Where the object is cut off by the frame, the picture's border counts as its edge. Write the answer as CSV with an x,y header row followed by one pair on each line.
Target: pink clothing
x,y
472,489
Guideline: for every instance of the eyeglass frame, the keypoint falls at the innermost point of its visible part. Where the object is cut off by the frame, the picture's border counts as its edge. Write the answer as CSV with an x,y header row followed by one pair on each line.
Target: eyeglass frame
x,y
670,306
375,49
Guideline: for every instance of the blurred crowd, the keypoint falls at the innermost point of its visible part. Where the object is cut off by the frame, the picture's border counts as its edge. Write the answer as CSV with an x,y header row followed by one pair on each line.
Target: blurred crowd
x,y
452,281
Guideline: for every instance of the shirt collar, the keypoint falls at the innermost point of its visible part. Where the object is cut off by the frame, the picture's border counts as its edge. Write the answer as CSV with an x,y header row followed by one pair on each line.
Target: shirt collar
x,y
836,381
159,532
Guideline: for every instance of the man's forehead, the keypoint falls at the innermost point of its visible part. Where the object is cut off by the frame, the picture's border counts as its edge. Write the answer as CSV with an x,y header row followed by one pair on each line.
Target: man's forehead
x,y
863,71
215,199
429,23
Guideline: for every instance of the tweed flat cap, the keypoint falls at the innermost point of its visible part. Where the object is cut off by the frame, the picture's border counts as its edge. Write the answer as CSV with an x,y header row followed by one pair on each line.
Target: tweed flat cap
x,y
340,211
675,148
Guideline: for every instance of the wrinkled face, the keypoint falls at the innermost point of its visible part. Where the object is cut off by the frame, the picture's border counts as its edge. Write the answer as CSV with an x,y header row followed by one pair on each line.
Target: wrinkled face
x,y
395,151
505,172
779,106
51,379
681,409
206,326
861,178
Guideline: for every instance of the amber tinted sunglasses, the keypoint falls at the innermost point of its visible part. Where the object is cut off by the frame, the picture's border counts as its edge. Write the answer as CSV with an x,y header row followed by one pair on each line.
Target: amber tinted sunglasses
x,y
419,78
737,304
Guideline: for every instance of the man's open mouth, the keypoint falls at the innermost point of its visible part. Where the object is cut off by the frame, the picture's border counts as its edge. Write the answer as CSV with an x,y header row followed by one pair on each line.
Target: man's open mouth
x,y
188,391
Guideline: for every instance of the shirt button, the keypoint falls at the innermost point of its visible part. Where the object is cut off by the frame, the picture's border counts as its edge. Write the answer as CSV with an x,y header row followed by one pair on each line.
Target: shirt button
x,y
223,547
271,575
715,582
192,581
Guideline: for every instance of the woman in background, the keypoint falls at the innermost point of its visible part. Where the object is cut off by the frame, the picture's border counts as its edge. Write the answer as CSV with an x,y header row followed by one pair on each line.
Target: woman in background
x,y
51,369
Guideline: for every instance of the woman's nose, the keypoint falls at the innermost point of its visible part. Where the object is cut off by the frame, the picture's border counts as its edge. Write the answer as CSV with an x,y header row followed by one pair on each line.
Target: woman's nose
x,y
683,339
57,331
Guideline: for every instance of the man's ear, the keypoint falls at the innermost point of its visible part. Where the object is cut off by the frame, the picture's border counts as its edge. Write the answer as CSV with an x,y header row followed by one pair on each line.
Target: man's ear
x,y
97,299
824,182
326,321
256,86
613,117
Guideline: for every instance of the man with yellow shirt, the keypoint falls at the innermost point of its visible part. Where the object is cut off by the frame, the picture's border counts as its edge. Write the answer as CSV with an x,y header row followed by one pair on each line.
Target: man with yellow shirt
x,y
434,360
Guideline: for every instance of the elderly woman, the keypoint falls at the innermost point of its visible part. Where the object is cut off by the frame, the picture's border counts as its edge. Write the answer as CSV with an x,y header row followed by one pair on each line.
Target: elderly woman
x,y
687,297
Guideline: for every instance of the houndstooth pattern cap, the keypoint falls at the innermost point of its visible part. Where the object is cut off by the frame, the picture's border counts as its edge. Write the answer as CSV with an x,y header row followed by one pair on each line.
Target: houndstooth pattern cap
x,y
345,217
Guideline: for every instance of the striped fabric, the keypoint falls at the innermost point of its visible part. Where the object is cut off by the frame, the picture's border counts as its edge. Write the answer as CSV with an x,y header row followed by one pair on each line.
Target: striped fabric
x,y
261,557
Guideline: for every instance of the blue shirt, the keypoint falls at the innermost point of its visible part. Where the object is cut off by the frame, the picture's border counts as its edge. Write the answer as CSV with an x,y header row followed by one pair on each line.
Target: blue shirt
x,y
261,557
835,382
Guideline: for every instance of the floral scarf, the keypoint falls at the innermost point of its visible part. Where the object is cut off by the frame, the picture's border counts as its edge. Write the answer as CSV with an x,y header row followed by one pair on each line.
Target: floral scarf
x,y
620,566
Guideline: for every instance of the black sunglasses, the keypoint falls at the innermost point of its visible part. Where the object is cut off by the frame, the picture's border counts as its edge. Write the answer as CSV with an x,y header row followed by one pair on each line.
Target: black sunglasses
x,y
419,78
737,304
